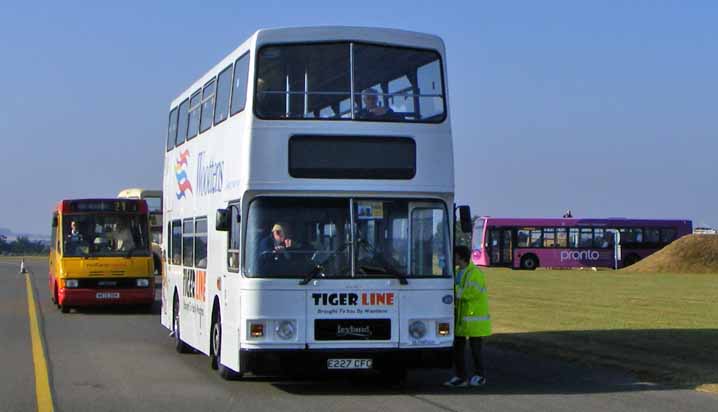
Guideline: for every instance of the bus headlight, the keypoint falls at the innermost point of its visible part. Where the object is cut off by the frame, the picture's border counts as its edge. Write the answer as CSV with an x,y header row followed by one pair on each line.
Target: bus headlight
x,y
417,329
143,283
286,329
72,283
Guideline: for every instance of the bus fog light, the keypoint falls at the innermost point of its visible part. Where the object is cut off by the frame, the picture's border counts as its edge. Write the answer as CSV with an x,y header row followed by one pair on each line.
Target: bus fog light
x,y
72,283
286,329
443,329
143,283
417,329
256,330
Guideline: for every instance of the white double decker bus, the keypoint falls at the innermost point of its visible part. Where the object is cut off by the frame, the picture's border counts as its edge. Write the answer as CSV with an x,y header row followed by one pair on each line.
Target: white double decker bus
x,y
308,205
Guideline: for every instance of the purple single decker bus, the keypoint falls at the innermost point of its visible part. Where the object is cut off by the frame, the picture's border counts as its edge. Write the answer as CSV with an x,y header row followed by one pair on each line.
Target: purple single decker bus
x,y
570,243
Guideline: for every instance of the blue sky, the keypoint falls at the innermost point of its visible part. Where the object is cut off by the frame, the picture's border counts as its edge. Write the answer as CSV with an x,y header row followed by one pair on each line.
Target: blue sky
x,y
607,108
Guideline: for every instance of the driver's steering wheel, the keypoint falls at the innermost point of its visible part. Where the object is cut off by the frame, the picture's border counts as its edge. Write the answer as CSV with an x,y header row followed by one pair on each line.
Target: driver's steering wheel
x,y
272,255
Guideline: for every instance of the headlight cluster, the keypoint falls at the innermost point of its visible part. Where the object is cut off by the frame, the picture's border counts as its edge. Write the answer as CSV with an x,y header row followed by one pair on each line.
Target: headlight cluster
x,y
286,329
72,283
282,329
419,329
143,283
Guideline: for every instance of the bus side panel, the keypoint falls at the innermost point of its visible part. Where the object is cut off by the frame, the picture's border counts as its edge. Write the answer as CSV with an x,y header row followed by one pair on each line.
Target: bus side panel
x,y
230,306
166,311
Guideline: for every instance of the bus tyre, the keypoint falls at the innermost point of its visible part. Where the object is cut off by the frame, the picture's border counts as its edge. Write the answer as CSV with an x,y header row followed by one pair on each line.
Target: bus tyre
x,y
147,308
631,259
180,346
529,262
394,375
64,308
216,350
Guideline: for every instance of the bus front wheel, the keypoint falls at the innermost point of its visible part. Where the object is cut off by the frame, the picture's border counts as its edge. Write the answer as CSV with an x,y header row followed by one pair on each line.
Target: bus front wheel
x,y
63,308
631,259
529,262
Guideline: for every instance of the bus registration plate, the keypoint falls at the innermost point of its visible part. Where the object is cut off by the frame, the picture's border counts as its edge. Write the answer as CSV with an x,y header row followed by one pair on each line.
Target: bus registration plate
x,y
108,295
349,363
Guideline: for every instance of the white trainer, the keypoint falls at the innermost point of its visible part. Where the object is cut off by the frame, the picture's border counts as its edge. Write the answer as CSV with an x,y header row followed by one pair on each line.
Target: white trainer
x,y
455,382
477,380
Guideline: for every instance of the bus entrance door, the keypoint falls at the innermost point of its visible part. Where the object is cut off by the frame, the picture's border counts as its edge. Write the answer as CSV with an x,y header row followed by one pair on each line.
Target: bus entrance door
x,y
501,247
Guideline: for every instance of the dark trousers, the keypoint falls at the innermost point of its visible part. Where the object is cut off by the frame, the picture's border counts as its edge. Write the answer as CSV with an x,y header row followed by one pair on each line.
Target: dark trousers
x,y
460,355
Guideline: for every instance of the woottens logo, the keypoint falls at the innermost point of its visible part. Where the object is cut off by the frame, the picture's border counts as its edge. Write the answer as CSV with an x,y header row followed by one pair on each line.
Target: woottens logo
x,y
183,183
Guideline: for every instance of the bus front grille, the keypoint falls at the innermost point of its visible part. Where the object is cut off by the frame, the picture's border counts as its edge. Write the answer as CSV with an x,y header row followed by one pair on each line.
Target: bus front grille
x,y
352,329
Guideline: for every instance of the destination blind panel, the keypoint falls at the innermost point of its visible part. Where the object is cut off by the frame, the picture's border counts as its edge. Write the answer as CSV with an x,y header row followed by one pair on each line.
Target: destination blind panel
x,y
352,157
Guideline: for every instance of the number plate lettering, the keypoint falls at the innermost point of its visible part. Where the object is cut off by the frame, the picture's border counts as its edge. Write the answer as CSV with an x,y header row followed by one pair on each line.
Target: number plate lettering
x,y
349,363
107,295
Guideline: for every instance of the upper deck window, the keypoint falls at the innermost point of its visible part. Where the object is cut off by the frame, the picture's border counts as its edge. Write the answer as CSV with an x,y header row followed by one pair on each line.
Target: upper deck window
x,y
208,93
317,81
239,86
194,107
172,129
224,87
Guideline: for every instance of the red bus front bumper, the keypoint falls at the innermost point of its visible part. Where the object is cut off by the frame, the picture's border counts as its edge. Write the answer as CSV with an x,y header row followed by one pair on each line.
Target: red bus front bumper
x,y
96,297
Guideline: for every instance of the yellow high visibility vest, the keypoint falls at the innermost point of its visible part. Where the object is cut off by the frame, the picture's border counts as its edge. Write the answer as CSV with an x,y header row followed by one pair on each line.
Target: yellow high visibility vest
x,y
472,304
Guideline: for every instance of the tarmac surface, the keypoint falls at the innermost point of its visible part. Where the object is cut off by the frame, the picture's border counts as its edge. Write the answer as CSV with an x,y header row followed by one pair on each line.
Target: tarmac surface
x,y
123,360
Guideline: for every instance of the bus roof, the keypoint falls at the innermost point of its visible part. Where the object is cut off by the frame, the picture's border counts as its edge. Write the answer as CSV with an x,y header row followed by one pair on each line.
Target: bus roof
x,y
137,193
317,34
611,221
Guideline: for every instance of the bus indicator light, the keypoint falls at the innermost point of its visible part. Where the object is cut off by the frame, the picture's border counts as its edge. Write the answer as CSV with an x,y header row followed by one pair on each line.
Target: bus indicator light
x,y
256,330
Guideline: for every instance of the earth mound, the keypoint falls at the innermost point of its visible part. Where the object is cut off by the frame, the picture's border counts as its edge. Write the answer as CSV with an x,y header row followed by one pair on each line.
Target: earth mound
x,y
689,254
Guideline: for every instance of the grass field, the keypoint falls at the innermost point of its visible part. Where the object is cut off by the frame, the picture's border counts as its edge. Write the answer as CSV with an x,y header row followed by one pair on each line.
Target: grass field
x,y
662,326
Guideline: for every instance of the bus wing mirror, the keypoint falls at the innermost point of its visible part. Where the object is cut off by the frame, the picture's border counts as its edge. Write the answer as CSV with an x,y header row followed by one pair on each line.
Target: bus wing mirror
x,y
222,220
465,219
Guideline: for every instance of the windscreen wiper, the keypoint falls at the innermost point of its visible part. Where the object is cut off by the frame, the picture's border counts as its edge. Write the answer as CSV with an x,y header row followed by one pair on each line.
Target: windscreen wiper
x,y
317,269
392,271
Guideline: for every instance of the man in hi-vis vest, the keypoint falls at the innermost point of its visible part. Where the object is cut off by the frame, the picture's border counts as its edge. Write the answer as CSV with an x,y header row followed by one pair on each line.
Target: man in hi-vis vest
x,y
472,319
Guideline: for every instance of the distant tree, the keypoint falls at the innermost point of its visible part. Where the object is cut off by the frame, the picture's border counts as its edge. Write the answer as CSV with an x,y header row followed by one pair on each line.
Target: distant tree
x,y
3,244
463,238
24,246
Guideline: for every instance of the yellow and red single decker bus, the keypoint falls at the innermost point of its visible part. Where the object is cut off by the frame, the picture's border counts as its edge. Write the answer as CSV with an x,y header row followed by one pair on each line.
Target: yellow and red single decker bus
x,y
100,253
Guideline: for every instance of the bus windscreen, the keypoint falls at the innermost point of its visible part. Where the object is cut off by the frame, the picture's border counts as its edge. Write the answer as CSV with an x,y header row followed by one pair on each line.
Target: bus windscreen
x,y
105,235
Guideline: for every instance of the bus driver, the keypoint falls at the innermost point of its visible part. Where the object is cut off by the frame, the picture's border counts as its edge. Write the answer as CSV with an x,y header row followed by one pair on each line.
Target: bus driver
x,y
276,242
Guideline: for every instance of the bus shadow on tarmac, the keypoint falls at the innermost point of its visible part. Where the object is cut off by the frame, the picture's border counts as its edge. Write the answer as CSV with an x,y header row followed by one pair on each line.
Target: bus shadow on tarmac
x,y
120,310
508,372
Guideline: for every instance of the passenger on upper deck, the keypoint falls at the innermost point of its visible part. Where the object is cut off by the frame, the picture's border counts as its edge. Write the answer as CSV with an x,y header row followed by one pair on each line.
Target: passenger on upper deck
x,y
371,109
